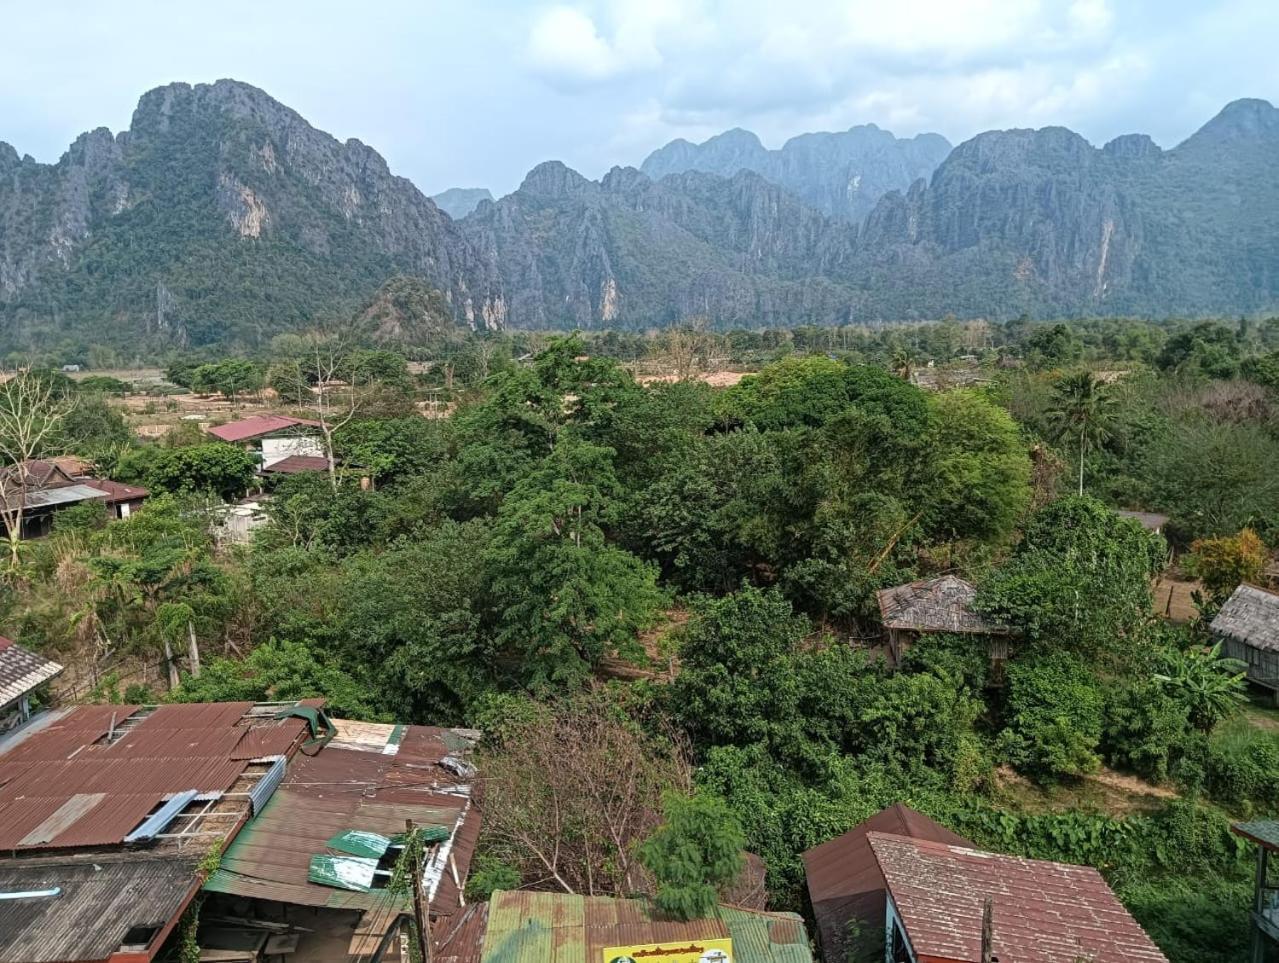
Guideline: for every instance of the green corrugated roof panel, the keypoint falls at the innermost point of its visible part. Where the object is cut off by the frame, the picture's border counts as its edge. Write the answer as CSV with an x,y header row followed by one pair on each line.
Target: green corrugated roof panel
x,y
1263,831
343,872
359,842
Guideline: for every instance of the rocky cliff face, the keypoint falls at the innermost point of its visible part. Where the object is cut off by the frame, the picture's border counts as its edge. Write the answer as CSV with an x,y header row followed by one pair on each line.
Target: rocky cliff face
x,y
841,174
220,206
1043,222
223,216
628,251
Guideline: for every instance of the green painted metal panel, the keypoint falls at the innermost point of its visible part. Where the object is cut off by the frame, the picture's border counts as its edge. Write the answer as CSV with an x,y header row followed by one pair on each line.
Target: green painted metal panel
x,y
343,872
359,842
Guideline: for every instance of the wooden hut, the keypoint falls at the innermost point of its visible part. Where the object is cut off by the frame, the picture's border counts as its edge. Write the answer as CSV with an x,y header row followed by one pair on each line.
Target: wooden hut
x,y
931,606
1248,626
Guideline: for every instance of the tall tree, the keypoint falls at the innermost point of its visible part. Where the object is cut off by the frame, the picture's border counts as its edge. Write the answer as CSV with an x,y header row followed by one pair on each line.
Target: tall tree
x,y
1082,409
693,854
32,410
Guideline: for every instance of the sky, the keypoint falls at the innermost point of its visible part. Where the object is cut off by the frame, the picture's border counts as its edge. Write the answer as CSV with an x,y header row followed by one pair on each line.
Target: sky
x,y
474,93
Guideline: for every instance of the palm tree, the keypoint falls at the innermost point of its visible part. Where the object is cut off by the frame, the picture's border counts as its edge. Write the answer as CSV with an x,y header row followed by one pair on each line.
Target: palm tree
x,y
903,362
1083,408
1211,688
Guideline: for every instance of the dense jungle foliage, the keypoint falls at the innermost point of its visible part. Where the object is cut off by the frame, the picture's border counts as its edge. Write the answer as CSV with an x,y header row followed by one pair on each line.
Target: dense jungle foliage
x,y
681,579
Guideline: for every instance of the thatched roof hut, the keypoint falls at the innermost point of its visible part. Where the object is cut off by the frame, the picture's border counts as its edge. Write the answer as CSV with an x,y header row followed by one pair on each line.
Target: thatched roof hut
x,y
1248,625
942,604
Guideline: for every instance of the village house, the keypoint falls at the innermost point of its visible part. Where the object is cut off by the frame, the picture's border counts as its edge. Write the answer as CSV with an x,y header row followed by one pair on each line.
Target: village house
x,y
847,888
903,888
109,814
1248,627
932,606
529,927
1264,918
38,489
22,672
956,904
277,440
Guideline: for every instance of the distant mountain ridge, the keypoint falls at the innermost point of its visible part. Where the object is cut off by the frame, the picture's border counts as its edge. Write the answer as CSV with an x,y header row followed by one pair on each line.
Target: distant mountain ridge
x,y
841,174
222,216
457,202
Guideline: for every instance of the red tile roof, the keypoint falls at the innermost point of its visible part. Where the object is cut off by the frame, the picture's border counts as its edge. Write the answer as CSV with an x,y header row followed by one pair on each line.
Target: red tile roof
x,y
1043,911
258,426
844,879
294,464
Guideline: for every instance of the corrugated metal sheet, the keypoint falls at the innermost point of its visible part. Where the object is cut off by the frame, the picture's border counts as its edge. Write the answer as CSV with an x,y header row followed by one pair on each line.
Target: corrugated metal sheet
x,y
158,821
844,880
265,787
355,785
99,901
527,927
173,749
269,739
67,736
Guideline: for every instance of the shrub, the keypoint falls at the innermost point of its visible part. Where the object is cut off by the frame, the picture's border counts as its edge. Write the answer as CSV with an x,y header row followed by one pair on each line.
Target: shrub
x,y
1054,719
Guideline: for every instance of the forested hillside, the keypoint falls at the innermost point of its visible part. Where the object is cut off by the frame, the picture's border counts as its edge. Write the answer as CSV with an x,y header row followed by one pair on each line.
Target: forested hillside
x,y
681,580
222,218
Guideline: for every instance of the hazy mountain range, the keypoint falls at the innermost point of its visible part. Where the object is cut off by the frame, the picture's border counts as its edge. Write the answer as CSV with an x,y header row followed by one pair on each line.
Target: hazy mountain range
x,y
221,215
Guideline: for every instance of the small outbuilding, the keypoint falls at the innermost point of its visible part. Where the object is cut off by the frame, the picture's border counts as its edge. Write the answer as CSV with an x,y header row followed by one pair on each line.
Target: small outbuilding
x,y
1248,626
21,673
935,606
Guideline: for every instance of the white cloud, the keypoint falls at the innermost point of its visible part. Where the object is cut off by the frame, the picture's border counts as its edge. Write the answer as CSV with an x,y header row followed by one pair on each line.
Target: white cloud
x,y
565,44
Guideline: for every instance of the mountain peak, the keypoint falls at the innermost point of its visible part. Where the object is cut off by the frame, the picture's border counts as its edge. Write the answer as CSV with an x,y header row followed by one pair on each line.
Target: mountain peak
x,y
457,202
1249,118
554,179
842,174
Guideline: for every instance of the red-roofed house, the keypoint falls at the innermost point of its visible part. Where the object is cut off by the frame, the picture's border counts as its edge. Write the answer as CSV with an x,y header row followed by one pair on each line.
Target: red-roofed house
x,y
36,490
1042,911
847,889
273,438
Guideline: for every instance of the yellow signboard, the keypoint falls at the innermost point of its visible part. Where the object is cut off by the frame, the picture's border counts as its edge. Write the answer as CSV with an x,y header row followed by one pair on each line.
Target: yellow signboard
x,y
685,951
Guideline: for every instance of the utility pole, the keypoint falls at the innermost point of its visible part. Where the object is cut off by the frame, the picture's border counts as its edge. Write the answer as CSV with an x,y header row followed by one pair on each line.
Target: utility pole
x,y
421,912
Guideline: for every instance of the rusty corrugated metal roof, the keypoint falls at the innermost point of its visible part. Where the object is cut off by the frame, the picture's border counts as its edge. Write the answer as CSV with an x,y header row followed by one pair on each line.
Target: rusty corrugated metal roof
x,y
844,880
54,772
537,927
371,777
1043,911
